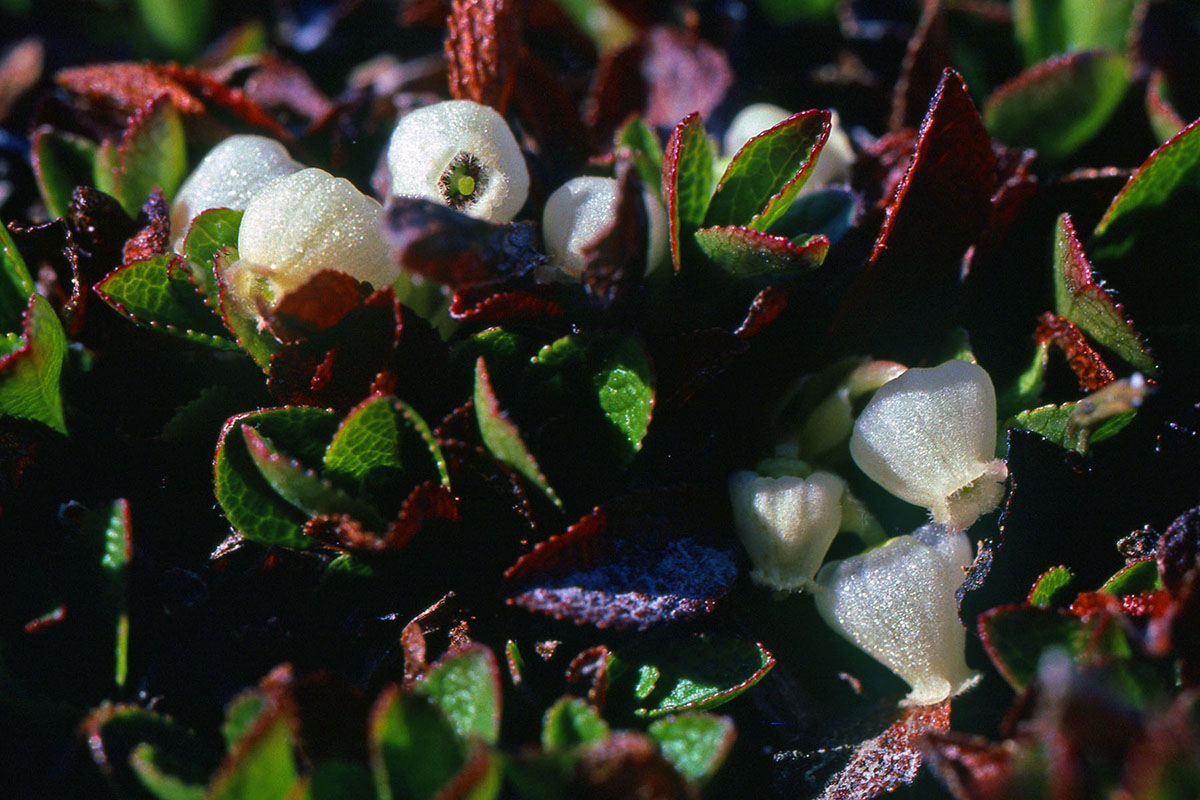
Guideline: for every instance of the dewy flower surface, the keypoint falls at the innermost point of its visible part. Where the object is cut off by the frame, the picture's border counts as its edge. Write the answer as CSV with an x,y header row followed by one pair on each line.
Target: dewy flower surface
x,y
929,437
228,177
461,154
303,223
580,210
786,524
896,603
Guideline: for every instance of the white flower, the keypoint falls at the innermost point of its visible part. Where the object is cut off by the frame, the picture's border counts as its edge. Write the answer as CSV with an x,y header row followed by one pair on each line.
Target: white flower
x,y
300,224
786,524
461,154
896,603
833,162
581,210
228,177
929,437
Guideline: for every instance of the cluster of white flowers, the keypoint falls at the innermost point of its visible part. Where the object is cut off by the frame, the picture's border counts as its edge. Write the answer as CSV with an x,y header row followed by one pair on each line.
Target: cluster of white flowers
x,y
928,436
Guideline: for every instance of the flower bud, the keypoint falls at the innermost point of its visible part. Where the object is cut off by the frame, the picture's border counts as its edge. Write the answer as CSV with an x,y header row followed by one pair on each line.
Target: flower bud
x,y
461,154
897,604
228,177
582,209
301,224
929,437
786,524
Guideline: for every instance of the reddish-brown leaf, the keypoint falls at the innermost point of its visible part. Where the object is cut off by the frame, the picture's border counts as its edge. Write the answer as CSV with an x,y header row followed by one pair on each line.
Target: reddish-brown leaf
x,y
484,310
764,309
429,514
232,100
128,86
280,84
155,233
625,764
939,209
1089,368
589,671
970,767
615,263
889,760
927,55
483,45
20,69
647,559
1179,550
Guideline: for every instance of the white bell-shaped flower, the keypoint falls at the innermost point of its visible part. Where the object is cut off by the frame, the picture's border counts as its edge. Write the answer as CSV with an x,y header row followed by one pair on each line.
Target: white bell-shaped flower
x,y
896,603
228,177
786,524
461,154
929,437
750,122
300,224
580,210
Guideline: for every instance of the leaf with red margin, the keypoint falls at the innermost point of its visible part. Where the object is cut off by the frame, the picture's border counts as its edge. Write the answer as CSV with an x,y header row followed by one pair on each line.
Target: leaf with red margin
x,y
687,182
466,686
764,310
414,750
927,55
625,764
502,437
1059,105
743,251
648,559
259,345
1081,298
31,367
890,760
970,766
117,733
152,153
1164,119
940,207
768,172
235,101
501,308
1089,368
1015,636
483,45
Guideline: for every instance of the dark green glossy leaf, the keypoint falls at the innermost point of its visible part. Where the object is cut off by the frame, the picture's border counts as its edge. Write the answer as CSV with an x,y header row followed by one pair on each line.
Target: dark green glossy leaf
x,y
502,437
340,780
210,232
1016,636
138,750
31,367
109,527
365,451
153,153
766,175
1140,576
1050,588
697,672
687,181
61,161
466,686
158,293
1059,105
16,285
570,722
302,487
259,344
251,505
623,385
414,750
1081,298
1046,28
744,252
646,151
695,744
830,212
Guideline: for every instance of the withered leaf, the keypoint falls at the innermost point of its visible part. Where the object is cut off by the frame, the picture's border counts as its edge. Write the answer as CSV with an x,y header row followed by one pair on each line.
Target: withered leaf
x,y
483,44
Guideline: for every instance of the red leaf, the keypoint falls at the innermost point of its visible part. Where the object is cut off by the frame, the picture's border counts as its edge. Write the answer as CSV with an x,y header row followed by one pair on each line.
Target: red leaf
x,y
503,308
938,211
764,309
128,86
233,100
615,263
970,767
483,44
646,559
155,233
625,764
1086,363
889,760
927,55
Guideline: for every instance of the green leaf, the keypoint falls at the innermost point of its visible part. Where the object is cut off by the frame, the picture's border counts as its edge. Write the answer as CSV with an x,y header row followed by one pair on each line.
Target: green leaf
x,y
646,151
260,345
16,285
687,181
179,26
153,153
365,451
466,686
340,780
745,252
30,371
501,436
1059,105
302,487
1140,576
261,766
1059,424
830,212
766,175
623,385
250,504
61,161
414,750
695,744
1047,28
1025,391
158,293
210,232
787,12
109,528
1049,589
693,673
155,772
1080,297
570,722
240,714
1016,636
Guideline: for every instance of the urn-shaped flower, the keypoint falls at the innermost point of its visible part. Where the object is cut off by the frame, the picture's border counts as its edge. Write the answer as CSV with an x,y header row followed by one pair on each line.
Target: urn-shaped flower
x,y
582,209
929,437
897,604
